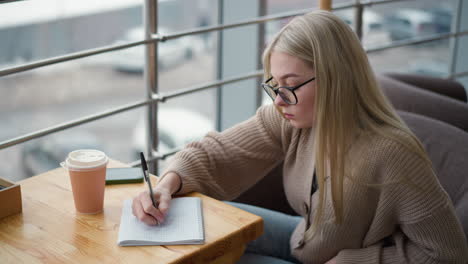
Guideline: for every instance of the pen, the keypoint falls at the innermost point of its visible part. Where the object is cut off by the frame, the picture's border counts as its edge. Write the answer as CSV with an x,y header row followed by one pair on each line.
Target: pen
x,y
144,167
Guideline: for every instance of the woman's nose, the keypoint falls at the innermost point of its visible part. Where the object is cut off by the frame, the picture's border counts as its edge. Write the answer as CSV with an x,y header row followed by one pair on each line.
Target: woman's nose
x,y
279,101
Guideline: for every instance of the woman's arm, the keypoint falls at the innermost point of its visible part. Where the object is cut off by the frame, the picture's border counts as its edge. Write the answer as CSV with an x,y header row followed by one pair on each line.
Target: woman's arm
x,y
223,165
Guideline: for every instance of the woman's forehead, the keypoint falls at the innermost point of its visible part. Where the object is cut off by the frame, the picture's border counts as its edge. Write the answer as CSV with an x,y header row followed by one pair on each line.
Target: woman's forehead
x,y
283,66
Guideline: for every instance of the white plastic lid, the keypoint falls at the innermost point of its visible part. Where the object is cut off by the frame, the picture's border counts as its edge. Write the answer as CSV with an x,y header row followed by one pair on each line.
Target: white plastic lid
x,y
85,159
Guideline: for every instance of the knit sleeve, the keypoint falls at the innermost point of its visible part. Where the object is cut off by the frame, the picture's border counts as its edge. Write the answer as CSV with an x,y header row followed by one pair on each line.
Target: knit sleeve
x,y
426,227
223,165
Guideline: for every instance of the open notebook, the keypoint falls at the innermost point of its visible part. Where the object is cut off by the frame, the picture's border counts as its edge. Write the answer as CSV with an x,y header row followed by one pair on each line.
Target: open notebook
x,y
183,225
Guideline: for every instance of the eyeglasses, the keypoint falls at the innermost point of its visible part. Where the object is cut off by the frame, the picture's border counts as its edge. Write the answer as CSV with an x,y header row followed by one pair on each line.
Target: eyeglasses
x,y
286,93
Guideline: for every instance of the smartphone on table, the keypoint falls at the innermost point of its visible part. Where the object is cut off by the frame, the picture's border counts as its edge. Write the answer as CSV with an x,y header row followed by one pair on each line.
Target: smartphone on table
x,y
123,175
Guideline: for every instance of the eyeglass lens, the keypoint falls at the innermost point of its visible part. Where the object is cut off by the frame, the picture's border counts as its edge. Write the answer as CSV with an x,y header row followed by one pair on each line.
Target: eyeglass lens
x,y
285,94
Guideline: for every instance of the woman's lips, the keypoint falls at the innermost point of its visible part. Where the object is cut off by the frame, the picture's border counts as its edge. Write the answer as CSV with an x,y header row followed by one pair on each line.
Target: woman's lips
x,y
288,116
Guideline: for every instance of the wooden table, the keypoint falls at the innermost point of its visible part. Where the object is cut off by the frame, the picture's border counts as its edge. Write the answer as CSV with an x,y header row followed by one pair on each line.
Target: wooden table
x,y
50,231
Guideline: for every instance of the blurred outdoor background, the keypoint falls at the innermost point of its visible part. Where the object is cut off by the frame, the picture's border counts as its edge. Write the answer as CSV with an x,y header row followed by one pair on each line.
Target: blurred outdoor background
x,y
47,96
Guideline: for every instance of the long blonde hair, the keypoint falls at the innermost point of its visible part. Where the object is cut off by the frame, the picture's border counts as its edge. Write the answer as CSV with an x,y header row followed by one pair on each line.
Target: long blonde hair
x,y
347,102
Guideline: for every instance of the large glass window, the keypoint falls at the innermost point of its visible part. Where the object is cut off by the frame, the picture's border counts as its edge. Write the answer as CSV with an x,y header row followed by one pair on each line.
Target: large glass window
x,y
385,24
50,95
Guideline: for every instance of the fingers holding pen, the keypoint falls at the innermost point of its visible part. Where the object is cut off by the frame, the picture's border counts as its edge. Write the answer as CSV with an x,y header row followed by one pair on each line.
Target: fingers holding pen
x,y
144,215
164,198
144,210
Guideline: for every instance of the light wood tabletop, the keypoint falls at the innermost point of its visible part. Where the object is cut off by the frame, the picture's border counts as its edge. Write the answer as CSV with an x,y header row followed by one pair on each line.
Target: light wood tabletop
x,y
49,230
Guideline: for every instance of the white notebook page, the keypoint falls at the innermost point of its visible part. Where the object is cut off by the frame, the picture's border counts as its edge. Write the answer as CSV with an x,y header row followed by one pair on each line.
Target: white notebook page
x,y
183,225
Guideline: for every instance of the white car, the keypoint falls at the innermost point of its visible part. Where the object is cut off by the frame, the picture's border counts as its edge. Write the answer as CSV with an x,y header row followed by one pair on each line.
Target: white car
x,y
170,52
176,128
410,23
373,26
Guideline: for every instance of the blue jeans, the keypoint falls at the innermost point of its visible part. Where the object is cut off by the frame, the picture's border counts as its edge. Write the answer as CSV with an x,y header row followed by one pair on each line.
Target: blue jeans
x,y
273,246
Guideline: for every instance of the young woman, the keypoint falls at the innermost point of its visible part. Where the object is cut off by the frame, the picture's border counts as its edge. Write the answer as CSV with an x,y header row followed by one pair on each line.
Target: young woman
x,y
357,176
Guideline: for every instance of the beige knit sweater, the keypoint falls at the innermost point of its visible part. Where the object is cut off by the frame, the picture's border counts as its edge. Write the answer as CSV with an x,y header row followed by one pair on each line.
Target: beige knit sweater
x,y
393,223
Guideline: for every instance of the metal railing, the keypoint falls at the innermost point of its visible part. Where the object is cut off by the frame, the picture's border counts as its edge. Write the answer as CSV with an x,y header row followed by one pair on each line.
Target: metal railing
x,y
151,72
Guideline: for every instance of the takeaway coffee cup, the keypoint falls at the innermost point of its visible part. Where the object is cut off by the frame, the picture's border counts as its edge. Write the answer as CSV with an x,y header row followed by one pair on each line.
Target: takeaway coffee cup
x,y
87,170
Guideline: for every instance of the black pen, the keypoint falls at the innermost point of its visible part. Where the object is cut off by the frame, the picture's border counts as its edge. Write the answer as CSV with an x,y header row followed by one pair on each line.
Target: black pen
x,y
144,167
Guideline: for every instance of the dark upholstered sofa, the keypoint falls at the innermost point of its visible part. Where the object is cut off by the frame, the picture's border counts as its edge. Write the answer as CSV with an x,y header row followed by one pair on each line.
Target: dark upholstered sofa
x,y
436,110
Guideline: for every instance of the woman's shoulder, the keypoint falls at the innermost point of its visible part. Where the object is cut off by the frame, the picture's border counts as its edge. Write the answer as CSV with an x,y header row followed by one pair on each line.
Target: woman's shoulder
x,y
391,154
387,137
389,142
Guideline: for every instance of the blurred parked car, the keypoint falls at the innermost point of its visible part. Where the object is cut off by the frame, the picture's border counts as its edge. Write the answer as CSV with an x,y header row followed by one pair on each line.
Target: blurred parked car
x,y
442,16
373,26
170,52
410,23
176,128
46,153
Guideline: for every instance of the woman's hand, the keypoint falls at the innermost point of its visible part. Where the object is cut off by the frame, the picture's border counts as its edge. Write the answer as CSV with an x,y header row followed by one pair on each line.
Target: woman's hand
x,y
331,261
143,209
142,206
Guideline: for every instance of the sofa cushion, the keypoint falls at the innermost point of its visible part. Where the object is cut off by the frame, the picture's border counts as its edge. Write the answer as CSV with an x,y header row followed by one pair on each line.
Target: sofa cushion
x,y
441,86
412,99
447,147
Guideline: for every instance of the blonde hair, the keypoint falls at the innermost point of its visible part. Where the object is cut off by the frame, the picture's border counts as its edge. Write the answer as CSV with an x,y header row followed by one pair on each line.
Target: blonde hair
x,y
346,90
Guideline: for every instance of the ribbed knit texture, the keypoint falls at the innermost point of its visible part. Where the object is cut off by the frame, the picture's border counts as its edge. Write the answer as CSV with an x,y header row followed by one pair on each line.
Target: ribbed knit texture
x,y
386,218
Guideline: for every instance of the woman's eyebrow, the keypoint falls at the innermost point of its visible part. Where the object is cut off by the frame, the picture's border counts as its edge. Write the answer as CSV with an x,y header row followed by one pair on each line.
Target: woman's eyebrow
x,y
287,75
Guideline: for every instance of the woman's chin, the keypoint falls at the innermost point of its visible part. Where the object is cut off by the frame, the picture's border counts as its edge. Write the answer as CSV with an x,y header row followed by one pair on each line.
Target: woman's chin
x,y
298,125
301,123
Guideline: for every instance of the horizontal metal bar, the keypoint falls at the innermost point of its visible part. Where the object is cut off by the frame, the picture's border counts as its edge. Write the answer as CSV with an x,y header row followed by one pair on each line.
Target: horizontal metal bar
x,y
201,30
414,41
156,156
248,22
378,2
164,96
135,163
72,56
74,123
458,75
8,1
153,159
166,154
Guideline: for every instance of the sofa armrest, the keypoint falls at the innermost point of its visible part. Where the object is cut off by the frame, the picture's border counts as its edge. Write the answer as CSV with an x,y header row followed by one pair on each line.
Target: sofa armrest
x,y
452,89
409,98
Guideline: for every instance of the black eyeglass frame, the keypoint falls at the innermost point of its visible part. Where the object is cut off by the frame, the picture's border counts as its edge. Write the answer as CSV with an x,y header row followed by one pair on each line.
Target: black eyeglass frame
x,y
266,86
